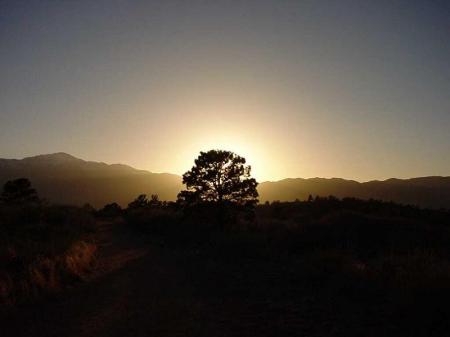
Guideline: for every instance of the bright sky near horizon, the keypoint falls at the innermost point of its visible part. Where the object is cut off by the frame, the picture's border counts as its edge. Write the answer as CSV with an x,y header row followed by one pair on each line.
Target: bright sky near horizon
x,y
352,89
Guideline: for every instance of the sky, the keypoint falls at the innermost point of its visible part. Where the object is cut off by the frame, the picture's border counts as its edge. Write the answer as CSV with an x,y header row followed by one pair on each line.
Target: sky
x,y
351,89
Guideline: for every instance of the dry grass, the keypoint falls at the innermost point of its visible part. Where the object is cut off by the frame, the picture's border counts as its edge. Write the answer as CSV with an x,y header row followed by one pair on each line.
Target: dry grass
x,y
47,274
43,249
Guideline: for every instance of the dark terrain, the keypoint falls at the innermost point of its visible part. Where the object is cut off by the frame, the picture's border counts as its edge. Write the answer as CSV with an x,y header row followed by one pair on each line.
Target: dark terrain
x,y
143,289
148,290
320,268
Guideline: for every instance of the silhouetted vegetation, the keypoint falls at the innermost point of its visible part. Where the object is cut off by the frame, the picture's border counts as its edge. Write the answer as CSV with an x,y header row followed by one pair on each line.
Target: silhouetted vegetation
x,y
219,189
219,176
152,215
18,192
351,263
42,247
112,210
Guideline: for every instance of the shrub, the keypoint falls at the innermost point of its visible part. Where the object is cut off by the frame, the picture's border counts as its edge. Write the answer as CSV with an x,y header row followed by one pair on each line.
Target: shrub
x,y
158,220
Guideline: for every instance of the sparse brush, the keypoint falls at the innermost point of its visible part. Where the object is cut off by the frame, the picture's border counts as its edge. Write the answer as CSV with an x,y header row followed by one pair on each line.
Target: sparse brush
x,y
42,249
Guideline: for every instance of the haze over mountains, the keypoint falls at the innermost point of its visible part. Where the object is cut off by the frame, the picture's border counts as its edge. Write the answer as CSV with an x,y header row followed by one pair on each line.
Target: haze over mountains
x,y
429,192
62,178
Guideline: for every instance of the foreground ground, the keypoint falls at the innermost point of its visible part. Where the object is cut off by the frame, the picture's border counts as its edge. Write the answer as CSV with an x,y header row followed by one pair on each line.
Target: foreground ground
x,y
147,290
143,287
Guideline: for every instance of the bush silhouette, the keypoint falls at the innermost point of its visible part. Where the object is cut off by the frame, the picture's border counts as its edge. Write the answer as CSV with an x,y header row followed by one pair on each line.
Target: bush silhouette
x,y
18,191
140,202
143,202
110,210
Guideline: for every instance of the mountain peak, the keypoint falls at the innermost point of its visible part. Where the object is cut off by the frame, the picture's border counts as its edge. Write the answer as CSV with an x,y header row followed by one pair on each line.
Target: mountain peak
x,y
58,157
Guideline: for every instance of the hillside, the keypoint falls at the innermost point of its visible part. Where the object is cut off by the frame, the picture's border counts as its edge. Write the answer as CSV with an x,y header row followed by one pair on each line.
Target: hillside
x,y
433,192
63,178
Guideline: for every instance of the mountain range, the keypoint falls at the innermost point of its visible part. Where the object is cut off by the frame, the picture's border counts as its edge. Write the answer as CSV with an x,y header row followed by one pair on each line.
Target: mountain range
x,y
62,178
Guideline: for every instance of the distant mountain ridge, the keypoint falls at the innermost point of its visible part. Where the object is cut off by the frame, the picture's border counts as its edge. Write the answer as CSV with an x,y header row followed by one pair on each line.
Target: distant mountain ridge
x,y
430,192
63,178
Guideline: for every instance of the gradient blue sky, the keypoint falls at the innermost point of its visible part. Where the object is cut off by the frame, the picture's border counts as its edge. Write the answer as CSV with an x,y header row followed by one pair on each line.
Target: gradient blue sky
x,y
352,89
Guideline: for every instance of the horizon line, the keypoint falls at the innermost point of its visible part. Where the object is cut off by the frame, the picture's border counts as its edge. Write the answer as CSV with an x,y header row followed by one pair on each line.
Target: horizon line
x,y
362,181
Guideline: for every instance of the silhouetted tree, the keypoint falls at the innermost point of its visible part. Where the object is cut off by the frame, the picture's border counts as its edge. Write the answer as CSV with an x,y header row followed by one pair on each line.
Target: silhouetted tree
x,y
219,176
143,202
154,201
89,208
19,191
219,188
140,202
111,210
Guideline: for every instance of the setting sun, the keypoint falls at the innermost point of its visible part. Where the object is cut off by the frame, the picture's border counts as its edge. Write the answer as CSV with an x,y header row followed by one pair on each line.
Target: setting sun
x,y
253,157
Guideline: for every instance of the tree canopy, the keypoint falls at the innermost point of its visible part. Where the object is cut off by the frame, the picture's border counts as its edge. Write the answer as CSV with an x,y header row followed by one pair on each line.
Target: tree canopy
x,y
143,202
18,191
219,176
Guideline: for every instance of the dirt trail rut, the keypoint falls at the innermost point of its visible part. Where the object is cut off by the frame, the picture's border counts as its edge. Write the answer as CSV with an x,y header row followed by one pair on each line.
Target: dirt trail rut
x,y
136,290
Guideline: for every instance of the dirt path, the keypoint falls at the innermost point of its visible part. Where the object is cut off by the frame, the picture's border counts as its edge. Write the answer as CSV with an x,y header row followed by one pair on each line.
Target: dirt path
x,y
136,291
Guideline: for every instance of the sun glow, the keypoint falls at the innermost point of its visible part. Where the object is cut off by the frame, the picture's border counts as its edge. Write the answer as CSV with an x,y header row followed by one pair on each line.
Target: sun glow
x,y
254,157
